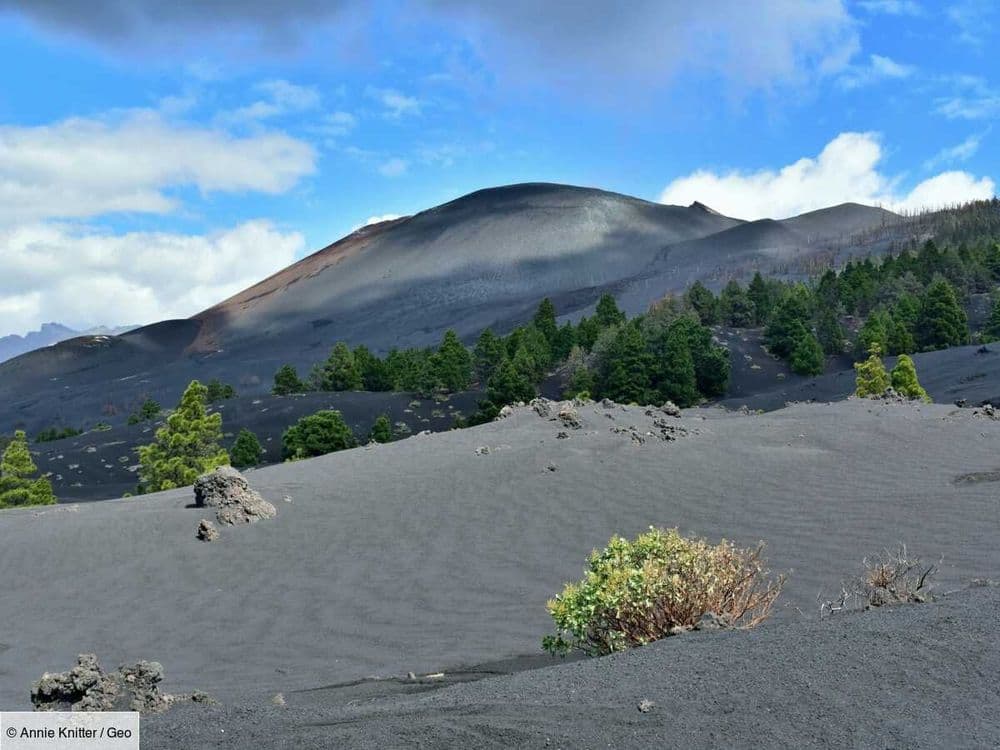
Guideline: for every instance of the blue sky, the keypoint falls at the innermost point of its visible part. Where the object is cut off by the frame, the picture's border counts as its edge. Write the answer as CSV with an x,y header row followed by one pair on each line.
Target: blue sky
x,y
156,157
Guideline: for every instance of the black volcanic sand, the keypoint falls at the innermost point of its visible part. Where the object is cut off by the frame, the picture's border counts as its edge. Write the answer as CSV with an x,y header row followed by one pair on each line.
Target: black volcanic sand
x,y
759,381
104,464
425,556
912,676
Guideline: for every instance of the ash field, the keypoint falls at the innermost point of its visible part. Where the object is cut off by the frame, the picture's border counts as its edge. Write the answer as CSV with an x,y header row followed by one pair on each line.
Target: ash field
x,y
434,556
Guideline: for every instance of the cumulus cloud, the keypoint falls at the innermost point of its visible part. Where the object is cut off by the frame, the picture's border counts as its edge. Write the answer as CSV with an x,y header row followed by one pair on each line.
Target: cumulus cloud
x,y
846,170
87,167
138,277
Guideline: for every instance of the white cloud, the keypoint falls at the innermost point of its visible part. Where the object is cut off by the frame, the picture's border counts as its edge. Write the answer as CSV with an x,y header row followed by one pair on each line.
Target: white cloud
x,y
394,167
892,7
282,98
337,124
878,69
969,108
376,220
959,152
125,163
86,278
396,105
847,170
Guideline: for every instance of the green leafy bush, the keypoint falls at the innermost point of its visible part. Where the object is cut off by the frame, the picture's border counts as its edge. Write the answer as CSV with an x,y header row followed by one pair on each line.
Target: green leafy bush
x,y
639,591
381,431
246,450
287,381
317,434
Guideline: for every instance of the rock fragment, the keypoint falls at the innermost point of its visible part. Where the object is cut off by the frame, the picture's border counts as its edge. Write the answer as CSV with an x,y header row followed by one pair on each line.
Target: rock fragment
x,y
228,491
207,531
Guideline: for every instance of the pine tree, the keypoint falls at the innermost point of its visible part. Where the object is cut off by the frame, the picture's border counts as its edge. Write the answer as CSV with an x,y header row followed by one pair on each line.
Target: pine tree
x,y
904,380
287,381
17,488
607,313
587,331
219,391
829,332
625,375
316,435
788,319
373,370
992,327
246,451
452,364
186,447
942,321
875,332
545,320
807,356
763,300
735,307
487,355
381,431
703,302
564,342
510,383
677,381
871,379
340,371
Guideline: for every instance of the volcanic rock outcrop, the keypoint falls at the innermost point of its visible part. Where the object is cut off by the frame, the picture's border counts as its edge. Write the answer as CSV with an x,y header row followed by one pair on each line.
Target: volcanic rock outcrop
x,y
229,492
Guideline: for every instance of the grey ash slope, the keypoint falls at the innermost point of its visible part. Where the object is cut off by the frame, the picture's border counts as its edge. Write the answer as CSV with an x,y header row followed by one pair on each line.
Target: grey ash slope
x,y
424,556
485,259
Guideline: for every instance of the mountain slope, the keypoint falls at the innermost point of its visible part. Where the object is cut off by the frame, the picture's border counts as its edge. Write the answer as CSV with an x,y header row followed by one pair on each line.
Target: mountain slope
x,y
50,333
485,259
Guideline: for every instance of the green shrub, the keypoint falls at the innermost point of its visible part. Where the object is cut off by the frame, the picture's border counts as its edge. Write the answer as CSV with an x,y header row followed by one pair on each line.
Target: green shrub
x,y
871,379
246,450
639,591
219,391
382,429
287,381
53,433
17,488
317,434
904,379
149,410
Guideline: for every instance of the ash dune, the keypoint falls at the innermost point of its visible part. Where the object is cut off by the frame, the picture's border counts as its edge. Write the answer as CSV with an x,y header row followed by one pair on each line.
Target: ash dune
x,y
485,259
424,555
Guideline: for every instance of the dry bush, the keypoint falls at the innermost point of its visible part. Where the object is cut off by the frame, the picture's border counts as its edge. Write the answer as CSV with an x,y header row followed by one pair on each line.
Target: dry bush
x,y
892,577
661,583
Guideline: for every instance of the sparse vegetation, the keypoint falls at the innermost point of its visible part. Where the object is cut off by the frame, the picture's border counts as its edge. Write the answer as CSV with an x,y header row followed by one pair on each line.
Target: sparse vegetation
x,y
219,391
317,434
891,577
642,590
18,486
186,447
54,433
149,411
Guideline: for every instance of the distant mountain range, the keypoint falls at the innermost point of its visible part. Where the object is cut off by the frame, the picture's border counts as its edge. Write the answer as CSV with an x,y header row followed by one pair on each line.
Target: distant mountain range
x,y
50,333
482,260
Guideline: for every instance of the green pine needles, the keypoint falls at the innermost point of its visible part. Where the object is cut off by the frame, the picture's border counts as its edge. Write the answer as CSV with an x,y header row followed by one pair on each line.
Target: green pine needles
x,y
186,447
17,469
